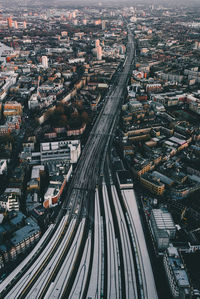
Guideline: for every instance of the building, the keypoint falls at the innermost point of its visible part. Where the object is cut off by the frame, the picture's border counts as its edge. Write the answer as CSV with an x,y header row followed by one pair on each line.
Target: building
x,y
195,106
99,53
191,258
176,274
163,178
163,228
26,236
45,62
76,132
37,170
33,101
153,87
77,60
12,124
134,105
9,202
97,22
21,240
68,150
12,108
32,201
60,173
13,222
153,184
181,191
34,183
124,179
3,166
103,25
15,25
9,20
97,43
64,33
181,143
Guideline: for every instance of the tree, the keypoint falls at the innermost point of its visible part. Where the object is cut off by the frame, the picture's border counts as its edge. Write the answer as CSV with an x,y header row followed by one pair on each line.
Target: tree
x,y
84,117
60,109
63,121
75,114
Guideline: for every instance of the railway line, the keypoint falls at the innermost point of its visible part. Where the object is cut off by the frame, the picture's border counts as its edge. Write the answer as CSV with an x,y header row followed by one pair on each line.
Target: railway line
x,y
113,275
95,284
81,277
136,269
143,264
127,254
60,283
50,275
37,267
40,285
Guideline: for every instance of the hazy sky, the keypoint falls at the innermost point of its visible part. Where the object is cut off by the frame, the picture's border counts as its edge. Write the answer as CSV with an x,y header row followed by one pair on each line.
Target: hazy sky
x,y
95,2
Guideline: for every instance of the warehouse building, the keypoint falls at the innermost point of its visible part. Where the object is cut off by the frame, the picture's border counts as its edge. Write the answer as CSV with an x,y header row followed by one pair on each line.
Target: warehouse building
x,y
163,228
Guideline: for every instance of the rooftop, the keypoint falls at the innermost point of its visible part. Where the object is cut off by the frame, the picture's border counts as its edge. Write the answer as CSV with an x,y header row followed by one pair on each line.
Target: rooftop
x,y
25,232
177,267
163,219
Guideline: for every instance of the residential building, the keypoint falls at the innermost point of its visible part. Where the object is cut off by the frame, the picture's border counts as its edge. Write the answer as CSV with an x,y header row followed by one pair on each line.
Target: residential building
x,y
12,108
176,273
153,184
9,202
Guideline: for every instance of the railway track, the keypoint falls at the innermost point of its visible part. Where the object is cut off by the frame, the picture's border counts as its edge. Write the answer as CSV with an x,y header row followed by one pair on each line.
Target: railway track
x,y
76,206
